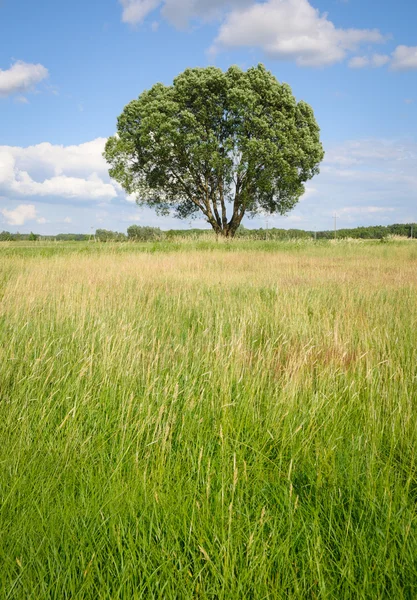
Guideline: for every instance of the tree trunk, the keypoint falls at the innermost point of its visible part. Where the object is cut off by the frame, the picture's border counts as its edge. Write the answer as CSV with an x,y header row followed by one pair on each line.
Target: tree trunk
x,y
229,231
219,223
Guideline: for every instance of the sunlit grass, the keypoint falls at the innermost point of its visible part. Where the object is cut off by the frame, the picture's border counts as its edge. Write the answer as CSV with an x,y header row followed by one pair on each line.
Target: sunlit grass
x,y
208,420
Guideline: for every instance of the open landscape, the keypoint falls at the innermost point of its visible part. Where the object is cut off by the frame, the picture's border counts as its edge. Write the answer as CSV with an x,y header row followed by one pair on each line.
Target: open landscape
x,y
192,419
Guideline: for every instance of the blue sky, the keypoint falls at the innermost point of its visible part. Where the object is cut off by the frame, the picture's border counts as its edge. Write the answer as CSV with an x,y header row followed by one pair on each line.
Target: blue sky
x,y
68,68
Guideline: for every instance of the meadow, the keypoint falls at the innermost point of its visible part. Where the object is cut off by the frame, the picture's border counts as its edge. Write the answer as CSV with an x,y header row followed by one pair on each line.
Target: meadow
x,y
202,420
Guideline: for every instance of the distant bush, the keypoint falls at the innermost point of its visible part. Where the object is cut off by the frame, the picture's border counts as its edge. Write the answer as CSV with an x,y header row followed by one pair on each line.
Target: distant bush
x,y
72,237
172,234
273,234
136,233
373,232
105,235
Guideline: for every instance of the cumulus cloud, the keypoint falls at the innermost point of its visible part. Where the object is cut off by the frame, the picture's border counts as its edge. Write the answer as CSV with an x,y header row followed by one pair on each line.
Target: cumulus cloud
x,y
92,188
404,58
292,30
21,214
46,170
21,77
81,159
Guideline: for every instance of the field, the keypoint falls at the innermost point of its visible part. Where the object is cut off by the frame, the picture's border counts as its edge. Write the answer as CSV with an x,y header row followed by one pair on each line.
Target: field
x,y
208,421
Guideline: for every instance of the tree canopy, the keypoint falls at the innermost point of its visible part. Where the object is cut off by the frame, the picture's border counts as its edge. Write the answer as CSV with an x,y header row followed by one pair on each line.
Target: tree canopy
x,y
221,144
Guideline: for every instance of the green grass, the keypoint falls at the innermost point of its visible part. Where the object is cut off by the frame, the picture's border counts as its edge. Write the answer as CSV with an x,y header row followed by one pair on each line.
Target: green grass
x,y
208,421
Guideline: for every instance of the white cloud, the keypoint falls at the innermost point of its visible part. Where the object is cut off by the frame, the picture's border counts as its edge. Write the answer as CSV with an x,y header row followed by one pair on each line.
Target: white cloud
x,y
21,214
309,192
379,60
292,30
404,58
180,12
177,12
92,188
130,197
134,11
359,62
21,77
68,172
42,220
82,159
375,61
67,220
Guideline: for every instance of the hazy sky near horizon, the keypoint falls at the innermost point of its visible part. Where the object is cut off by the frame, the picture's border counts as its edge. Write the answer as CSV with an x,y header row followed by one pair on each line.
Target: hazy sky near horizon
x,y
67,69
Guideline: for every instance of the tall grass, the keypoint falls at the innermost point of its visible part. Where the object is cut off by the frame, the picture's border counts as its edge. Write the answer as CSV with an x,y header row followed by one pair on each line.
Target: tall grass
x,y
209,422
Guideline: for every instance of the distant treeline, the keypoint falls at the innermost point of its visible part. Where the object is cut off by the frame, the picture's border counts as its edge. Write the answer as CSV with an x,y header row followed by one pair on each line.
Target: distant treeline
x,y
137,233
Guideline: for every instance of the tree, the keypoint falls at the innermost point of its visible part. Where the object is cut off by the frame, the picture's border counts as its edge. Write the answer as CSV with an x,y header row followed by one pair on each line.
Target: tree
x,y
214,141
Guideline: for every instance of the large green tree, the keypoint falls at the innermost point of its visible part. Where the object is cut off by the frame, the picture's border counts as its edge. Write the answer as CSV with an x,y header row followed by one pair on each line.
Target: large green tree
x,y
220,144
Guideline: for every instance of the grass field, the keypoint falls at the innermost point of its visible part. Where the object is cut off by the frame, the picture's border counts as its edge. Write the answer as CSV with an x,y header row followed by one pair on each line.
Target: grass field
x,y
208,421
